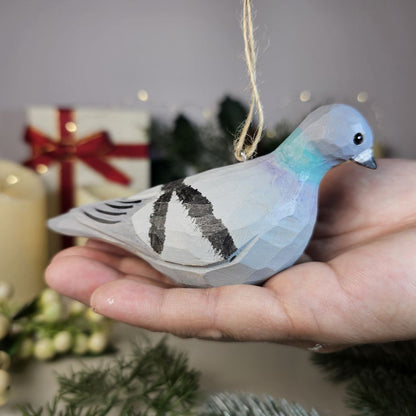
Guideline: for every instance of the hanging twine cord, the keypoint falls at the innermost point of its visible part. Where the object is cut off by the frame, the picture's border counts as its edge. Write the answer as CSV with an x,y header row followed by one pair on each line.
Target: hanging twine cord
x,y
243,150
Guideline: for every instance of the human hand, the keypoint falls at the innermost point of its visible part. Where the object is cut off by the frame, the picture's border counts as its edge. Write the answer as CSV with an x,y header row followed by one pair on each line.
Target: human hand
x,y
360,286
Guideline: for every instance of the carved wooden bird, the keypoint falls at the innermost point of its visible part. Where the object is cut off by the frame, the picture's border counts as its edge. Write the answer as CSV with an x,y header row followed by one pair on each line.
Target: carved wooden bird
x,y
236,224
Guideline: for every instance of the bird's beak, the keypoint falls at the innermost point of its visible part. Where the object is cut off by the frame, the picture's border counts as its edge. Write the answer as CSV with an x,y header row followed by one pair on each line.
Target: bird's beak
x,y
366,159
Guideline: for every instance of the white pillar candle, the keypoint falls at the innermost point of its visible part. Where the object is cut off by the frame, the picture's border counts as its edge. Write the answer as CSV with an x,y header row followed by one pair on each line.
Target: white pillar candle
x,y
23,244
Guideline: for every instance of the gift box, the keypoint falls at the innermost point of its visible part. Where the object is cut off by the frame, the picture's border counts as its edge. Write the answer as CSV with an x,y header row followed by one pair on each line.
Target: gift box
x,y
76,149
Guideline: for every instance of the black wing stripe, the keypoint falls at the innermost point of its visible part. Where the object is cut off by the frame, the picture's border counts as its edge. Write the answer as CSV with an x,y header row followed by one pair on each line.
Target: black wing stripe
x,y
199,209
212,228
109,212
119,206
98,219
137,201
158,219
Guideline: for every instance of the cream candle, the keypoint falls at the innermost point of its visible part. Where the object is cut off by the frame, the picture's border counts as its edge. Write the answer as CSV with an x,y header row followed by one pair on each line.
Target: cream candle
x,y
23,245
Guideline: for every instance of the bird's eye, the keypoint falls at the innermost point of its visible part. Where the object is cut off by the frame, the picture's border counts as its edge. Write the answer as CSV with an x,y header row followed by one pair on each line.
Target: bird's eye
x,y
358,138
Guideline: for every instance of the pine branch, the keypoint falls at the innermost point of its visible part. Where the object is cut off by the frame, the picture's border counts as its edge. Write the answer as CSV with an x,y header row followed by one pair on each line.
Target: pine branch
x,y
153,380
383,392
346,364
231,115
229,404
381,378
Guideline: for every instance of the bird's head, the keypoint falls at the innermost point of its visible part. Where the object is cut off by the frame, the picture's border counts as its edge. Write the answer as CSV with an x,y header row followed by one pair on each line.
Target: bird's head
x,y
339,132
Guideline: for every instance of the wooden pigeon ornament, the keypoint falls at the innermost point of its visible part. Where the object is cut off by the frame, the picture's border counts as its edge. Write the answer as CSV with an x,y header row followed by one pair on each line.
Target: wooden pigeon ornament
x,y
236,224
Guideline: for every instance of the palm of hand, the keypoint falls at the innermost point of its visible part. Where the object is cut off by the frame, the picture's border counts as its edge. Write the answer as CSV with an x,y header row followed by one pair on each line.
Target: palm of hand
x,y
359,286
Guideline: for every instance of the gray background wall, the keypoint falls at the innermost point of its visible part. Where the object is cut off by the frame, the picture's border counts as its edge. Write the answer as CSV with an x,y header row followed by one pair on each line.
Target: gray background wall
x,y
188,53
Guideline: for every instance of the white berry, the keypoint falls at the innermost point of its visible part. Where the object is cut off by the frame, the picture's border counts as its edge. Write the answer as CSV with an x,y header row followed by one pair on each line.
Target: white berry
x,y
97,342
62,341
44,349
80,346
76,308
47,296
52,312
94,316
26,349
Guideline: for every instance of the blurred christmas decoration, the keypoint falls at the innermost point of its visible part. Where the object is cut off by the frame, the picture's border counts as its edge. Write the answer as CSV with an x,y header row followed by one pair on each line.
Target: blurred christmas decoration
x,y
72,148
381,378
45,329
23,252
151,380
156,380
186,148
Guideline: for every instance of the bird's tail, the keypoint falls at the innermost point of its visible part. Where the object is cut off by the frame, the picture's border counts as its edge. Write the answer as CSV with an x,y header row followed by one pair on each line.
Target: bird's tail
x,y
107,220
67,224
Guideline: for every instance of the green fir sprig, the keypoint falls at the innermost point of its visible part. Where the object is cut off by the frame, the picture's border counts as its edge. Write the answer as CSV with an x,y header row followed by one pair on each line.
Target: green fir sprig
x,y
240,404
381,378
152,380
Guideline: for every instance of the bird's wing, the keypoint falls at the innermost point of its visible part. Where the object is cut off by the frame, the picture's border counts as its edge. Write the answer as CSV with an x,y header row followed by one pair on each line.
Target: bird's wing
x,y
212,217
181,227
201,220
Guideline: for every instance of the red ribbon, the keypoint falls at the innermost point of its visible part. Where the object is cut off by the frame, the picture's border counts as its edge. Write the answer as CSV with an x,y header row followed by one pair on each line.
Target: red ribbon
x,y
92,150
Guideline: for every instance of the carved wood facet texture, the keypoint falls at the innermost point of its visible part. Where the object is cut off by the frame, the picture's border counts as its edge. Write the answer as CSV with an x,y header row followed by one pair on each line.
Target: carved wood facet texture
x,y
236,224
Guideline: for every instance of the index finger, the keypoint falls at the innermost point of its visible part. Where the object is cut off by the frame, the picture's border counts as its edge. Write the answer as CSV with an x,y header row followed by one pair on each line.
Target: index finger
x,y
239,312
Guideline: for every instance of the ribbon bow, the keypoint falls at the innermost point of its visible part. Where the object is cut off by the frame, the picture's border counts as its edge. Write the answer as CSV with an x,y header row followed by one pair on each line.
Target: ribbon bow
x,y
92,150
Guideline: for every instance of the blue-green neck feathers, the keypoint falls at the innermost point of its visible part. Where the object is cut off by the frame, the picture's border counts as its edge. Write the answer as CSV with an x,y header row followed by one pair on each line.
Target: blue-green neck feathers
x,y
300,156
